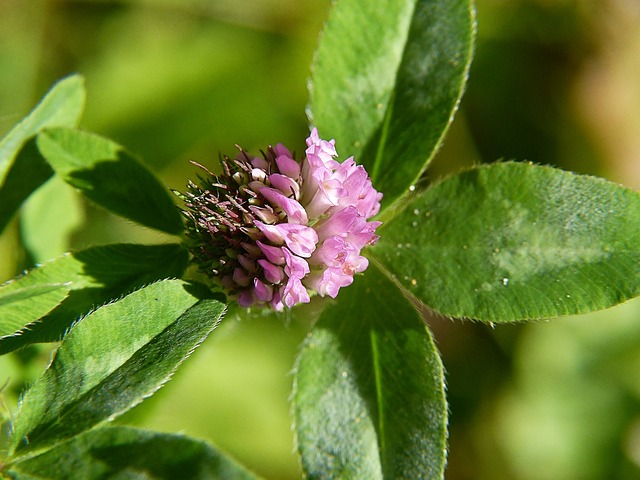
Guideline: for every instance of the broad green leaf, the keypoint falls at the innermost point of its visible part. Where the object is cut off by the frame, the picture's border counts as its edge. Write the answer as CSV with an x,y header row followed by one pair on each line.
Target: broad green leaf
x,y
22,168
29,301
514,241
48,218
111,177
28,172
61,107
114,358
124,452
41,305
387,79
369,390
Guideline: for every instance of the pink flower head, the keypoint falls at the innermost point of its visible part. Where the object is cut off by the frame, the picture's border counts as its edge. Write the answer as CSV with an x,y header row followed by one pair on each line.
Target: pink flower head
x,y
275,230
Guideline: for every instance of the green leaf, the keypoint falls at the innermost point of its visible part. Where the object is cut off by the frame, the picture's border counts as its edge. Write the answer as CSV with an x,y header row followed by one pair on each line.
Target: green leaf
x,y
29,171
387,79
41,305
61,106
369,390
29,301
514,241
48,219
114,358
24,170
109,176
123,452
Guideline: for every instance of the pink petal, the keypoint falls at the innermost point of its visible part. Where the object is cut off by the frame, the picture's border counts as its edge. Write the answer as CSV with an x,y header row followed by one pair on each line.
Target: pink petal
x,y
282,151
327,195
295,212
332,252
361,237
338,223
276,301
368,202
273,234
300,239
329,282
273,254
261,163
294,292
264,293
248,264
295,266
328,146
264,213
355,182
272,273
246,298
241,277
355,264
288,166
319,156
288,186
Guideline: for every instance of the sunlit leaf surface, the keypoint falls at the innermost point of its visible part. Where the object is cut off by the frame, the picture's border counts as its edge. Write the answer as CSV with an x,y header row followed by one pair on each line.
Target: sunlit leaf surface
x,y
515,241
369,390
112,359
24,170
109,176
41,305
386,81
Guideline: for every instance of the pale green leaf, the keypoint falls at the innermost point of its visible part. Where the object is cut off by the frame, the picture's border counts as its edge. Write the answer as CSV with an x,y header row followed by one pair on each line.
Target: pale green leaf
x,y
22,168
17,305
124,452
48,299
514,241
369,390
114,358
387,79
62,106
48,218
111,177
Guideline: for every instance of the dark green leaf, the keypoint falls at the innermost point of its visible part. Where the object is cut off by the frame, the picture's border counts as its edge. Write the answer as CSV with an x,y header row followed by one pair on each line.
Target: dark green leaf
x,y
369,391
122,452
109,176
114,358
48,299
24,170
387,79
515,241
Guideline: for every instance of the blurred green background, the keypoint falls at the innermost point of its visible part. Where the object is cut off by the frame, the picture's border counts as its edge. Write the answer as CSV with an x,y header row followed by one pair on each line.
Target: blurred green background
x,y
554,82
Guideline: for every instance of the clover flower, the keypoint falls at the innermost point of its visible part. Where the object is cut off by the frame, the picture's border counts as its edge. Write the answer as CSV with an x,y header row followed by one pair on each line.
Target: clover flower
x,y
272,230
